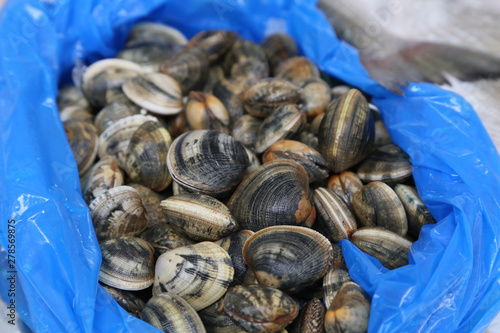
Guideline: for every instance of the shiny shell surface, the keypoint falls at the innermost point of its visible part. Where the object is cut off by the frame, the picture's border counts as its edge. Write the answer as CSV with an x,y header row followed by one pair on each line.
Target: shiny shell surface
x,y
345,185
315,96
156,92
199,273
233,244
82,138
207,161
277,193
311,318
245,130
151,201
289,258
127,300
217,321
260,308
278,48
205,111
417,214
104,175
332,282
297,68
172,314
160,34
230,91
199,216
246,59
127,263
215,42
163,237
388,163
114,112
347,131
118,212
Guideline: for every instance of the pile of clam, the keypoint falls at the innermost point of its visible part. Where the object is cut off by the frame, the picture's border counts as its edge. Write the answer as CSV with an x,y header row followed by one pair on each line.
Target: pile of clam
x,y
221,174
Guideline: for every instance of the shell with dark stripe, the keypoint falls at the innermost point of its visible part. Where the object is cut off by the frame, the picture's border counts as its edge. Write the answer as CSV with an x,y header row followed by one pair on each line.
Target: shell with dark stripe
x,y
388,163
82,138
233,244
104,175
278,48
311,318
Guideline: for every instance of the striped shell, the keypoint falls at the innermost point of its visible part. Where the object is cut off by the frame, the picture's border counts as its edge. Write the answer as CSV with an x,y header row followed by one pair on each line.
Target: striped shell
x,y
345,185
418,215
82,138
311,318
103,176
233,244
214,42
297,68
151,201
332,282
388,163
315,96
126,299
278,48
163,238
247,60
114,112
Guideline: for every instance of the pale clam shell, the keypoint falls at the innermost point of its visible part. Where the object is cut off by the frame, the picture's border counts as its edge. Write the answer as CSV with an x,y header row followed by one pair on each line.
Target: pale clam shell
x,y
103,176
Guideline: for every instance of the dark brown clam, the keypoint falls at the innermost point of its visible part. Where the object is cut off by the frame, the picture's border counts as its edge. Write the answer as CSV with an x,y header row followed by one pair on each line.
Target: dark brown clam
x,y
233,244
260,308
284,123
349,312
277,193
345,185
309,158
82,138
146,161
418,215
127,300
388,163
104,175
347,131
311,318
118,212
189,67
245,130
376,204
127,263
217,321
296,68
289,258
205,111
246,59
214,42
151,201
278,48
209,162
332,282
156,92
163,237
230,91
254,162
114,112
315,96
333,217
265,96
198,216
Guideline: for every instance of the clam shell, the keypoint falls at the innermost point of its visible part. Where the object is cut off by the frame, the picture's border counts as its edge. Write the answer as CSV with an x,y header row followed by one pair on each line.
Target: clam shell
x,y
333,217
233,244
163,237
172,314
198,216
345,185
376,204
332,282
315,96
245,130
114,112
127,300
76,112
230,91
260,308
254,162
339,91
151,201
127,263
215,75
157,33
118,212
314,128
146,160
338,257
309,139
350,311
115,139
246,59
199,273
103,176
387,163
147,55
217,321
288,257
215,42
278,48
382,136
205,111
347,131
277,193
265,96
284,123
418,215
209,162
309,158
296,68
106,75
156,92
388,247
82,138
311,318
71,96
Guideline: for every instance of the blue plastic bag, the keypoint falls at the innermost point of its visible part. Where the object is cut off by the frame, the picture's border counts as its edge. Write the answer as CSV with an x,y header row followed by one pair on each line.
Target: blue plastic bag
x,y
452,281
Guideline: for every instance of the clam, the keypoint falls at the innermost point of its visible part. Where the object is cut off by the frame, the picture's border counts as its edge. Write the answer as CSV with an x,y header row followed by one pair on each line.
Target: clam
x,y
217,321
230,91
156,92
334,218
278,48
309,158
418,215
118,212
126,299
146,160
127,263
189,67
376,204
339,91
289,258
209,162
151,201
388,163
345,185
296,68
388,247
115,139
245,130
149,55
311,318
349,312
265,96
309,139
338,257
246,59
314,128
315,96
177,189
82,138
260,308
233,244
215,75
103,176
332,282
199,216
199,273
71,96
114,112
285,122
76,112
346,133
277,193
156,33
205,111
254,162
105,75
175,125
214,42
163,237
172,314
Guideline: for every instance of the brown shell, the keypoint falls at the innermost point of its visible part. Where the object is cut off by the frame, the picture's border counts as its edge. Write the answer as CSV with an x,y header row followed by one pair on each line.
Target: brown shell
x,y
245,130
315,96
230,91
205,111
278,48
82,138
345,185
311,318
296,68
417,214
126,299
151,201
214,42
388,163
246,59
104,175
163,237
332,282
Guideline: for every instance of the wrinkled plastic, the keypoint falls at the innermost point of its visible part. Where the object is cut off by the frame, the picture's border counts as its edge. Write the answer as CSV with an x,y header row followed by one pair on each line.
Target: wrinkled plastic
x,y
452,281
